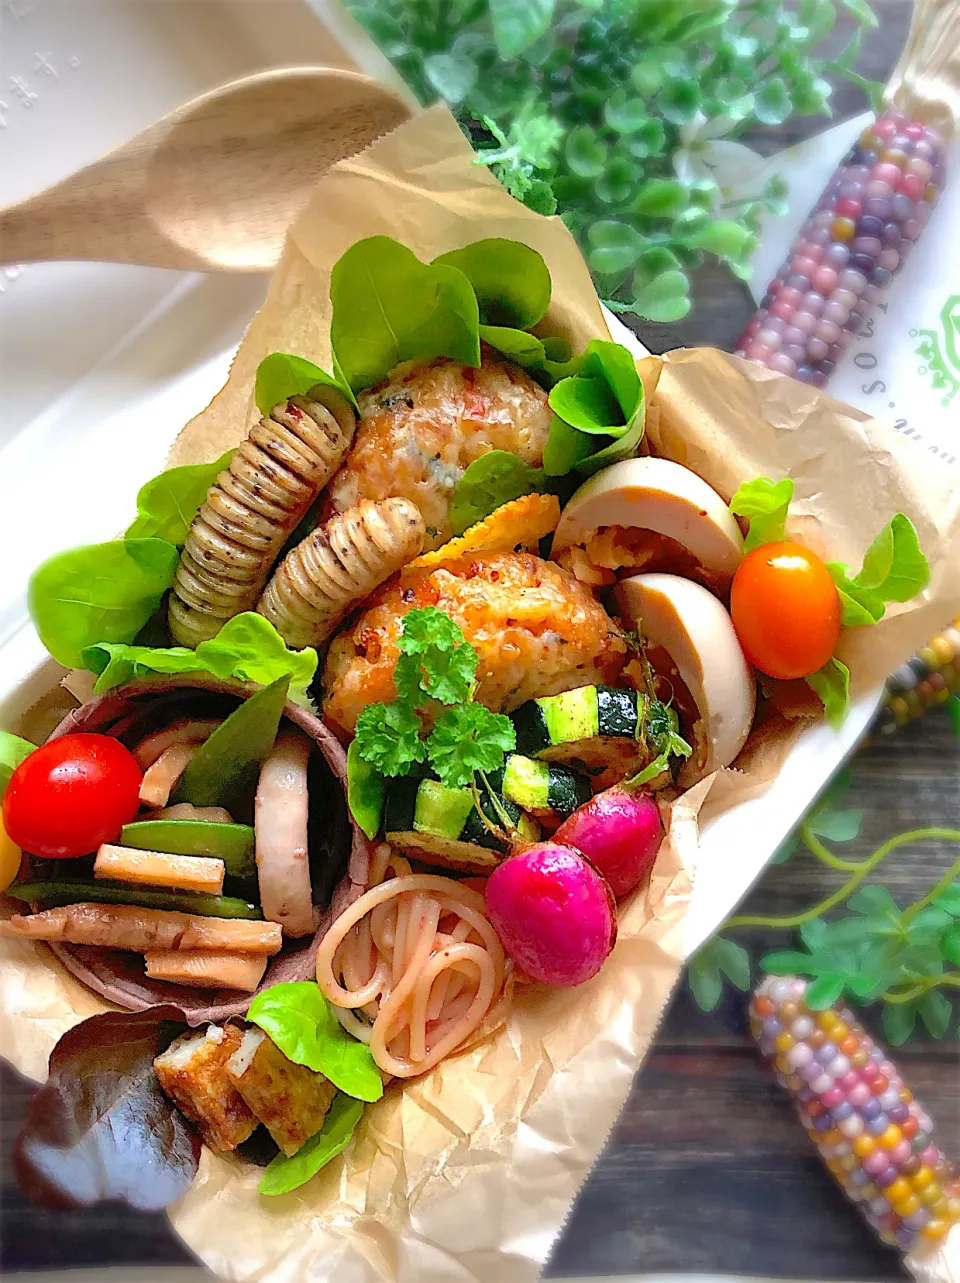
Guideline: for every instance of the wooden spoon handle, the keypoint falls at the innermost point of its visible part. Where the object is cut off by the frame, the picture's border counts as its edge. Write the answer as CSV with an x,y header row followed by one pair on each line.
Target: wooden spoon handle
x,y
99,221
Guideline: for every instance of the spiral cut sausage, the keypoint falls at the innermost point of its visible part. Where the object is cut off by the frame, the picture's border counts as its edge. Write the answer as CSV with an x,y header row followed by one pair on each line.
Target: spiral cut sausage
x,y
251,509
339,564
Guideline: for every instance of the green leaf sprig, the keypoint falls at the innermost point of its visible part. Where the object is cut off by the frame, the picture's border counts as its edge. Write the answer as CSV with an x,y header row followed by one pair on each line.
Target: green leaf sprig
x,y
436,666
284,1174
609,112
660,727
894,569
907,959
297,1017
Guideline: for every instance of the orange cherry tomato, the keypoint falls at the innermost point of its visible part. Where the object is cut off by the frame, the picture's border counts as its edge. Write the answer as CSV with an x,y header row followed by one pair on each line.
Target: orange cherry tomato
x,y
786,610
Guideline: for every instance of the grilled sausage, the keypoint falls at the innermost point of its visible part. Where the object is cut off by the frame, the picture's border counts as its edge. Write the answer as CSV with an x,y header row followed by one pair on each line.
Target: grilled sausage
x,y
339,564
251,509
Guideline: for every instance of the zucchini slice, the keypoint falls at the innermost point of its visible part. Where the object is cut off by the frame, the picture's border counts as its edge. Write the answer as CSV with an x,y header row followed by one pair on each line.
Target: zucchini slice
x,y
440,825
547,790
593,728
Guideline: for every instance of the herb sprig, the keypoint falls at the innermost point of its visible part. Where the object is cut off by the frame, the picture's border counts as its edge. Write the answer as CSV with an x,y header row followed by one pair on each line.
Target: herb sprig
x,y
617,113
436,666
907,959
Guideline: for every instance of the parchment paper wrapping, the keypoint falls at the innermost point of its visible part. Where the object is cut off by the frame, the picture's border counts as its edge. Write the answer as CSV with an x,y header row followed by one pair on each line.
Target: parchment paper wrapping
x,y
468,1173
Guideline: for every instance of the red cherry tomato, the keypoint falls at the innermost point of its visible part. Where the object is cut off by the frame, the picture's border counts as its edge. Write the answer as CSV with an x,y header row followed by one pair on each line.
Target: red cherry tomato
x,y
786,610
70,795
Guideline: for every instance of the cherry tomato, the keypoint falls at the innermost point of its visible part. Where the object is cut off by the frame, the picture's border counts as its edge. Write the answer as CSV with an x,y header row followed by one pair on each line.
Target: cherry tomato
x,y
786,610
70,795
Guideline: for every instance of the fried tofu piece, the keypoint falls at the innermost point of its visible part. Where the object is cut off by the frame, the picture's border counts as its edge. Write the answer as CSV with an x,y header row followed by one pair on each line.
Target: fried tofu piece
x,y
192,1072
290,1100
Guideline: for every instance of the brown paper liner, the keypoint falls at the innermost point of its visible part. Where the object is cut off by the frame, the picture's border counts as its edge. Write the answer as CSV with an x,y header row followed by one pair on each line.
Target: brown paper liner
x,y
469,1172
926,80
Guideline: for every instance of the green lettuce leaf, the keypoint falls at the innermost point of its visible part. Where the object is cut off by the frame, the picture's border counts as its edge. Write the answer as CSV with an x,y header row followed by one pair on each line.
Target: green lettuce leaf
x,y
894,569
284,1174
832,684
604,398
247,648
365,791
488,482
510,280
282,375
167,504
299,1020
13,750
389,307
764,503
523,349
101,592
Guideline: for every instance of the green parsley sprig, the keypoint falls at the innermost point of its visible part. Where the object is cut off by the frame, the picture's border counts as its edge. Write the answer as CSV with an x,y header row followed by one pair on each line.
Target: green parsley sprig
x,y
907,959
436,666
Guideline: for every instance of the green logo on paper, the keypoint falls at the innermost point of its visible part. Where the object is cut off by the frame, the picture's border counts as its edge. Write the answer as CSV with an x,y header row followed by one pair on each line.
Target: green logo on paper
x,y
941,351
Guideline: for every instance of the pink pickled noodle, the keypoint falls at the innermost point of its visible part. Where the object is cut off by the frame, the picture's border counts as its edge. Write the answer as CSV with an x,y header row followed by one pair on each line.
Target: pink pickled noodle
x,y
413,966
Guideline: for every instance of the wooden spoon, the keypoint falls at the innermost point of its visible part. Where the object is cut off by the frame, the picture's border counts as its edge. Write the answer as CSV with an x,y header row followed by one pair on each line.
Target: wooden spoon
x,y
213,186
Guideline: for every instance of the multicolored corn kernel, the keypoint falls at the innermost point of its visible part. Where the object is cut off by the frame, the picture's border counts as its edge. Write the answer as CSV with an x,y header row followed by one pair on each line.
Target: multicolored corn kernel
x,y
871,1132
856,237
923,682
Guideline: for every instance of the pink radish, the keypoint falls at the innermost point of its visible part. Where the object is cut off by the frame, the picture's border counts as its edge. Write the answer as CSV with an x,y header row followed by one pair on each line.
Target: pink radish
x,y
555,914
620,834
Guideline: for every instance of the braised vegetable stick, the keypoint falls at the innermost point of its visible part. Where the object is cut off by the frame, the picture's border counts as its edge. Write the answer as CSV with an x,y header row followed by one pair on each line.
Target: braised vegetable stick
x,y
339,564
252,508
159,869
242,971
873,1135
923,682
841,263
159,779
117,926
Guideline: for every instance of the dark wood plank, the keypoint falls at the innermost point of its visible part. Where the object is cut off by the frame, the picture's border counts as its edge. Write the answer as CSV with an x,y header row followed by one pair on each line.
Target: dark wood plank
x,y
707,1167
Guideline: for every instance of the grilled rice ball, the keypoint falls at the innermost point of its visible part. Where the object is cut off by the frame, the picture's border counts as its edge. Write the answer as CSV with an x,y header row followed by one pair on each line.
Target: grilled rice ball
x,y
422,428
536,629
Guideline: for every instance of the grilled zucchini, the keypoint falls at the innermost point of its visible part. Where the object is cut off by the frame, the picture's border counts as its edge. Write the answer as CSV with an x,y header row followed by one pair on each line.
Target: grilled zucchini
x,y
440,825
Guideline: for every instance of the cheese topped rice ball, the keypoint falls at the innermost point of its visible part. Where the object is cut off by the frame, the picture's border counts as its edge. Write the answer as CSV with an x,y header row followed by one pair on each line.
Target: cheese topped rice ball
x,y
422,428
537,631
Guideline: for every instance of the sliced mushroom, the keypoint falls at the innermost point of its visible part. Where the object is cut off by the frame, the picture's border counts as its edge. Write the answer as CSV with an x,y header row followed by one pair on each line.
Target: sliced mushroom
x,y
280,822
695,630
663,497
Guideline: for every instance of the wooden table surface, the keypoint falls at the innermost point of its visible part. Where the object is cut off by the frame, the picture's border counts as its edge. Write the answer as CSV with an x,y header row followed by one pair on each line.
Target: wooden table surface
x,y
706,1169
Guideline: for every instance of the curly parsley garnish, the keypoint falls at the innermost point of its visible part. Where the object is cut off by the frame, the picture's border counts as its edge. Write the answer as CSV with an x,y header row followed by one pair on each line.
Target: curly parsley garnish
x,y
469,738
435,666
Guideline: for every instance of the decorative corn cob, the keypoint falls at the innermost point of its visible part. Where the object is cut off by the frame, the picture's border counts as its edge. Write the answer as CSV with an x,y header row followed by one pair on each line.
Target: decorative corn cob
x,y
923,682
859,234
872,1134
